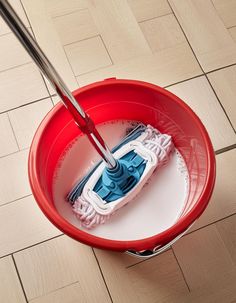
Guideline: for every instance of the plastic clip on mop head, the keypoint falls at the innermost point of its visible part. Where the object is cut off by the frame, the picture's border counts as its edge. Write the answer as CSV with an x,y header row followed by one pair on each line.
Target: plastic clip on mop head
x,y
104,190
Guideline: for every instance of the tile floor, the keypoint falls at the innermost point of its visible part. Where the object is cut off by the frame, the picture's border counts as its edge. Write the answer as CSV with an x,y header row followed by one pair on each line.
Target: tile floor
x,y
188,46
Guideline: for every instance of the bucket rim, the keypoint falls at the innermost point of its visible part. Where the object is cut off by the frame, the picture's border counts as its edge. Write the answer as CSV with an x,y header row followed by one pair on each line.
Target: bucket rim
x,y
122,245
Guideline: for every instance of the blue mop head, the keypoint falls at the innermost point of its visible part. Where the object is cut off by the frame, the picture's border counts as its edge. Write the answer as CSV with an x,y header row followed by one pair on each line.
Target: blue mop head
x,y
102,191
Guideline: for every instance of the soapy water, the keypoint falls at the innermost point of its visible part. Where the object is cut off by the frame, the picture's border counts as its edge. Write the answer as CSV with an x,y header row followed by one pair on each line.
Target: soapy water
x,y
156,208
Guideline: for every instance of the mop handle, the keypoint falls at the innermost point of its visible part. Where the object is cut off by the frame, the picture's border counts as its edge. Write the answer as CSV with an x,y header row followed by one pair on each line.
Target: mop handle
x,y
83,121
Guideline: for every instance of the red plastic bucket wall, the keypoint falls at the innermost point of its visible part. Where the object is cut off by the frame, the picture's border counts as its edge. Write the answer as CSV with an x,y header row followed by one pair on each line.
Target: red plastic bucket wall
x,y
133,100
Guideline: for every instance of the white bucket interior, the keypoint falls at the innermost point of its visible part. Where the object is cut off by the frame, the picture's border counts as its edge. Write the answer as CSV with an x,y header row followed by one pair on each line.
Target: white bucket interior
x,y
157,207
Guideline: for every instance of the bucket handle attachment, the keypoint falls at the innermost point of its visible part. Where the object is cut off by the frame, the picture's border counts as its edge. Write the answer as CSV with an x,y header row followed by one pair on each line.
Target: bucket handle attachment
x,y
145,254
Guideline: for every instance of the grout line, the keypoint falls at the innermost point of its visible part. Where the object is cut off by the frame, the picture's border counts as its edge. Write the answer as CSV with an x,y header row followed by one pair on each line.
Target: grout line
x,y
112,63
54,290
94,36
30,246
95,70
216,221
23,105
18,151
70,13
171,13
231,27
186,37
13,131
77,82
4,204
213,4
219,68
221,239
225,149
209,82
172,84
10,31
99,266
218,13
182,81
7,33
26,15
15,152
201,67
16,66
18,275
68,61
180,269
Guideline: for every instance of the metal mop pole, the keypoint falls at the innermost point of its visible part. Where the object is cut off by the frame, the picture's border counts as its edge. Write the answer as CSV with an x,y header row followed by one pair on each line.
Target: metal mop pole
x,y
83,121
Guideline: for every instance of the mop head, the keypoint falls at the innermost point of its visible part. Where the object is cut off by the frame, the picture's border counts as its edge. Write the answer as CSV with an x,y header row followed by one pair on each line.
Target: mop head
x,y
103,191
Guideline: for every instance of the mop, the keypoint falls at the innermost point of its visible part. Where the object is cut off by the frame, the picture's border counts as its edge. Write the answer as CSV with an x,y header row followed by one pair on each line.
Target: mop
x,y
117,179
103,191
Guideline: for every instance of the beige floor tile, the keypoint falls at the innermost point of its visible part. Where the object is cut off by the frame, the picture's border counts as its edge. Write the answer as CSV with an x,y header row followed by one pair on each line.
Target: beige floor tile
x,y
205,260
206,32
232,32
22,224
21,85
47,36
57,263
223,202
227,230
16,4
10,288
165,67
148,9
76,26
8,142
69,294
26,119
11,52
224,83
155,280
162,32
224,294
14,182
227,11
83,57
61,7
198,94
119,29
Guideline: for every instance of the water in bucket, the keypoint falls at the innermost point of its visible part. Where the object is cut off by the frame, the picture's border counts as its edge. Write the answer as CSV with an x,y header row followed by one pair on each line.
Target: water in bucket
x,y
157,207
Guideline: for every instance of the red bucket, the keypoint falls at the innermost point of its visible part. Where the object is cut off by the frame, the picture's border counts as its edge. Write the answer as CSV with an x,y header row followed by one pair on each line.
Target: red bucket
x,y
114,99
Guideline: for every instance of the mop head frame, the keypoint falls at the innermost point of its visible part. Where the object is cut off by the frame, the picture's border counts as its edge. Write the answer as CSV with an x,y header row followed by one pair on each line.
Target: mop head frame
x,y
102,191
